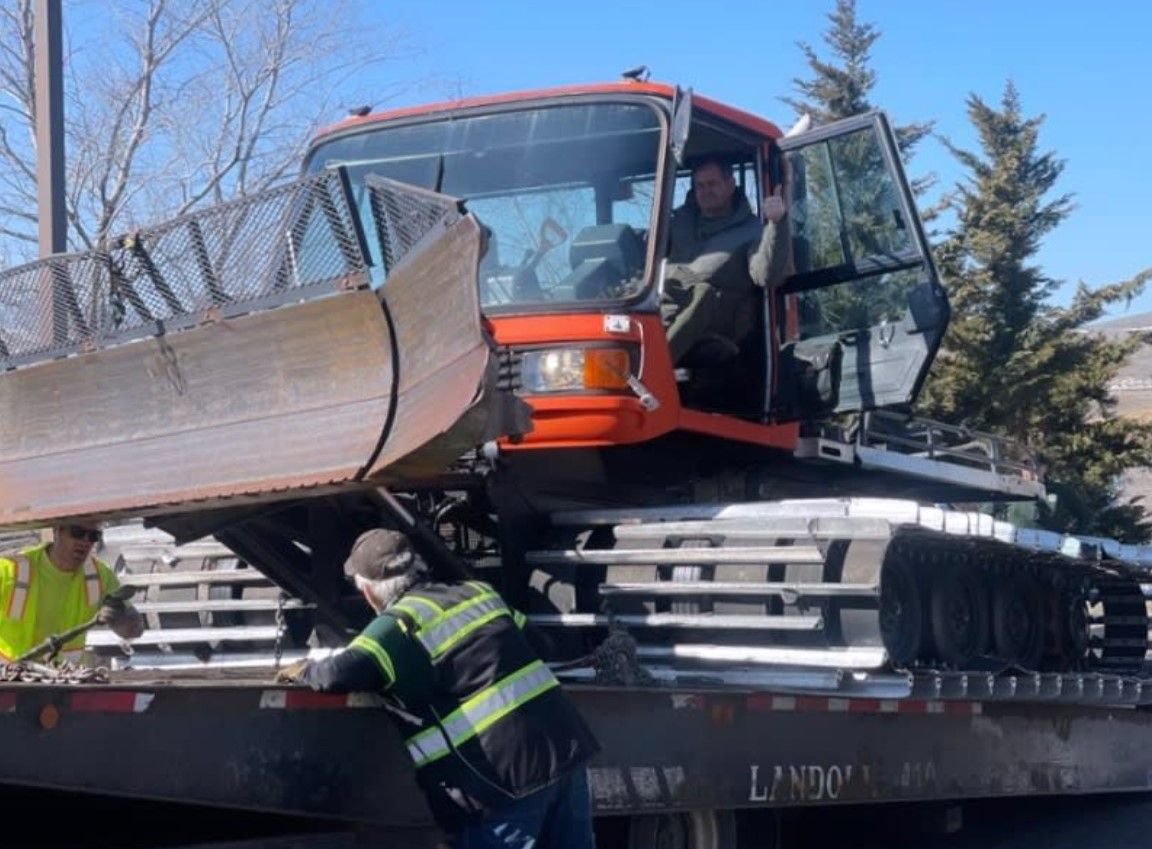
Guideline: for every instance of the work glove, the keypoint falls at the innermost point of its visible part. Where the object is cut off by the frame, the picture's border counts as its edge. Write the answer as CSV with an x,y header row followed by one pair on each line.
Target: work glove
x,y
111,611
114,605
293,673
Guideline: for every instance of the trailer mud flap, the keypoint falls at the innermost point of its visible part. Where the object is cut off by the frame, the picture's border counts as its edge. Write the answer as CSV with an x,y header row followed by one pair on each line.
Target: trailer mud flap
x,y
355,386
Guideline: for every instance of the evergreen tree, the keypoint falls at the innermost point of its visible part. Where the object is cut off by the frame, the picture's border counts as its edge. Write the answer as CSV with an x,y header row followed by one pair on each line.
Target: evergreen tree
x,y
840,88
1011,362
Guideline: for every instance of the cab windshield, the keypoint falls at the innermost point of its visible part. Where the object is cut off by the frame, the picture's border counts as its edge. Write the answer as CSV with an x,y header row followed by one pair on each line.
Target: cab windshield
x,y
566,192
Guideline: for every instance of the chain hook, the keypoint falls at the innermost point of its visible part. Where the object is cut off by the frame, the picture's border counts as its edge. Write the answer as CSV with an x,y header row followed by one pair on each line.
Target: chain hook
x,y
280,629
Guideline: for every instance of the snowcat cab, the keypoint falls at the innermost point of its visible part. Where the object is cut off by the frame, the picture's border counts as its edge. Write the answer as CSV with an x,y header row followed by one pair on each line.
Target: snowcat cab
x,y
576,190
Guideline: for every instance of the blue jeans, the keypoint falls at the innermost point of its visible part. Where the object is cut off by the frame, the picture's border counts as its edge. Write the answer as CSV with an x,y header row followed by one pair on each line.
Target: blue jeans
x,y
557,817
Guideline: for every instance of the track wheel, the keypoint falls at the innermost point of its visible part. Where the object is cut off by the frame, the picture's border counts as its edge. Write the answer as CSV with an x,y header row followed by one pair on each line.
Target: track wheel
x,y
958,609
1018,621
703,829
1073,632
901,612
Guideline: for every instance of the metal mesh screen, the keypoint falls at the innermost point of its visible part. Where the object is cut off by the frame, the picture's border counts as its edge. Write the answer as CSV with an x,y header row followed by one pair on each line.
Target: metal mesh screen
x,y
286,243
405,215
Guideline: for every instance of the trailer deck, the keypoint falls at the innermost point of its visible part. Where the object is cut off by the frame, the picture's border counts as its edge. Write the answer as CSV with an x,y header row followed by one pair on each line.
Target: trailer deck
x,y
232,740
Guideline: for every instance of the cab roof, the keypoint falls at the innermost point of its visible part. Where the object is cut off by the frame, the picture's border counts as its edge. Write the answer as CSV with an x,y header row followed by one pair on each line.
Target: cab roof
x,y
744,119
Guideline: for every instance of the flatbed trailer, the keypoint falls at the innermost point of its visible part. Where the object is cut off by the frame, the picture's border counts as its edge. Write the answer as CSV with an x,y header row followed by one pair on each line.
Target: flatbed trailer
x,y
704,757
283,371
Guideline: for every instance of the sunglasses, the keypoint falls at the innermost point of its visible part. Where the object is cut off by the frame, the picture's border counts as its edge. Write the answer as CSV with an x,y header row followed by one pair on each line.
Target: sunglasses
x,y
89,534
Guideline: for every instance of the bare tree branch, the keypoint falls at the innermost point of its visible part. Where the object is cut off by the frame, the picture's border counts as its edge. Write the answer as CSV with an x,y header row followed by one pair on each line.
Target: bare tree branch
x,y
172,104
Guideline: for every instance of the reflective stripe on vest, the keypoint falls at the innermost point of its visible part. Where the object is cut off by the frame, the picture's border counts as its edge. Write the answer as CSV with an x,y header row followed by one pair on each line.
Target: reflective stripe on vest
x,y
92,583
461,620
379,655
421,609
18,601
481,711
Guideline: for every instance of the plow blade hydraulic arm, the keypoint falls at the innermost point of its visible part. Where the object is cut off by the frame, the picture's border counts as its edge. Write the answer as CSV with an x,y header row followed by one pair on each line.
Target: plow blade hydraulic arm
x,y
242,354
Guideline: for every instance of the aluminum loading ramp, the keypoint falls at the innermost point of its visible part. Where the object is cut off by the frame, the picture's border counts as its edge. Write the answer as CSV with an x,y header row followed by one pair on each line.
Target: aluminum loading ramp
x,y
242,354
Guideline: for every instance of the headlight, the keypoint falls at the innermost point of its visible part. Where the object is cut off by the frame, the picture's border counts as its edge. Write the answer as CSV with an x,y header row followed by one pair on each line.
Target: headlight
x,y
574,369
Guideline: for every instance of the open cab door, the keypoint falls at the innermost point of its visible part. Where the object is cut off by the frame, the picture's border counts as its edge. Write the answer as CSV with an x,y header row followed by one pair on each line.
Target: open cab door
x,y
864,311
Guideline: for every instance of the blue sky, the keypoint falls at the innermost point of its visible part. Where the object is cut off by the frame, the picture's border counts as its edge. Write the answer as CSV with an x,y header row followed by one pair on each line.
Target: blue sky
x,y
1085,65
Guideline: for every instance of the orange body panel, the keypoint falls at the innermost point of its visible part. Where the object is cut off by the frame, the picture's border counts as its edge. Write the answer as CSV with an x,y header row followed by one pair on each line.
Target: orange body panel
x,y
596,420
738,430
601,420
744,119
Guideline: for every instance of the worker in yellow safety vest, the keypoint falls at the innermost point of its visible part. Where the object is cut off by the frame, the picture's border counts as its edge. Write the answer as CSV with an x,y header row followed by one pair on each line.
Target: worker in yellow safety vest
x,y
52,587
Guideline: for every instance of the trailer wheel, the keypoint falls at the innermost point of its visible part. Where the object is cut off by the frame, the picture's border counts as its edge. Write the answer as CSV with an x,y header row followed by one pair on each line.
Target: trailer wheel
x,y
704,829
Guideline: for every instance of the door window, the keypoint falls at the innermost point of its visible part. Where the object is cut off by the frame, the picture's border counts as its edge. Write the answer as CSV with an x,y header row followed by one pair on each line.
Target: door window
x,y
864,310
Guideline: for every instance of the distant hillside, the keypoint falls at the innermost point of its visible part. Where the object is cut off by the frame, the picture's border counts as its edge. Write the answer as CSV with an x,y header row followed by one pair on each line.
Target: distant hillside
x,y
1133,389
1127,322
12,541
1133,386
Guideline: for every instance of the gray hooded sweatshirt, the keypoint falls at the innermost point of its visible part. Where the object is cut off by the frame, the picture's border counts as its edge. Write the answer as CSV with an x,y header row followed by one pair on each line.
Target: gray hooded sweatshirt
x,y
713,263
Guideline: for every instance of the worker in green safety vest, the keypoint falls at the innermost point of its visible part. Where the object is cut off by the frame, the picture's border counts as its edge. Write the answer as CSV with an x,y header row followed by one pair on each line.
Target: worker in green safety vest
x,y
499,748
53,587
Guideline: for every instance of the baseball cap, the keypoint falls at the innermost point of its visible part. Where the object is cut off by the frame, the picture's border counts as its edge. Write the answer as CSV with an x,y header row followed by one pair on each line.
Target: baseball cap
x,y
379,553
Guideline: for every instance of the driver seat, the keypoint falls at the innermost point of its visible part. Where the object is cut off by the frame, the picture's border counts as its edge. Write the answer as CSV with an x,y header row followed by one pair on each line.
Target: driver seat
x,y
710,351
602,256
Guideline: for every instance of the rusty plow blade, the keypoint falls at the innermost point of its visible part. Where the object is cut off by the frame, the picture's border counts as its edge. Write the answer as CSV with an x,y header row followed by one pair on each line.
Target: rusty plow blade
x,y
251,361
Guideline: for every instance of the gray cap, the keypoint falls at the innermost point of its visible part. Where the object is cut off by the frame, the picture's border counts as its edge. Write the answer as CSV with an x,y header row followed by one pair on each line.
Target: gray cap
x,y
380,553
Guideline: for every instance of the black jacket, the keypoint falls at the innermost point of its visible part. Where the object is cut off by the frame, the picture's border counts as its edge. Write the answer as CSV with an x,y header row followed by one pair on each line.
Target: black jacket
x,y
485,720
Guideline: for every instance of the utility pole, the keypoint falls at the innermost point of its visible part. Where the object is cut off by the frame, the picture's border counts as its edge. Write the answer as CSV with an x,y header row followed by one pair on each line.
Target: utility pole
x,y
48,80
49,83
